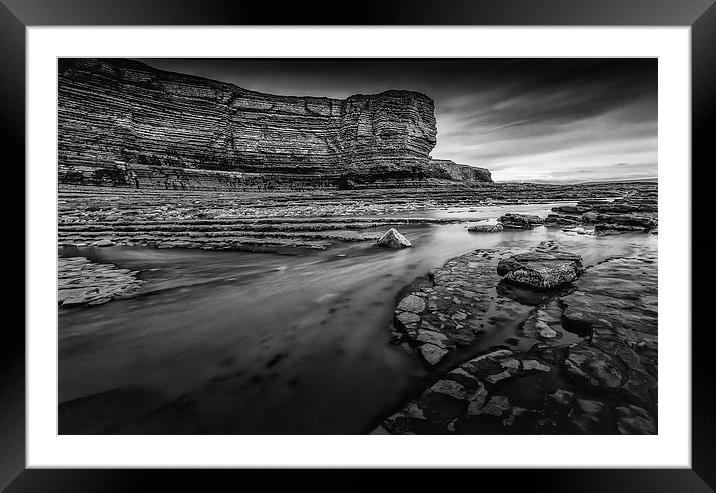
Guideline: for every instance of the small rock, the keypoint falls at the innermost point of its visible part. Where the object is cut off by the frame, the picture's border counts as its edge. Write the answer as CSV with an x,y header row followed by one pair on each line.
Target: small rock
x,y
498,377
547,332
531,364
463,373
589,217
562,397
494,355
432,337
510,364
408,317
486,228
413,411
496,406
593,367
104,243
590,407
547,245
477,401
432,354
515,412
393,239
633,420
449,388
412,303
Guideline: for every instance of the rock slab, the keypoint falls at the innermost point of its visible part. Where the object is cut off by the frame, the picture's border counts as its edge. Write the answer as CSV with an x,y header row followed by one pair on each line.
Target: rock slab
x,y
82,282
541,268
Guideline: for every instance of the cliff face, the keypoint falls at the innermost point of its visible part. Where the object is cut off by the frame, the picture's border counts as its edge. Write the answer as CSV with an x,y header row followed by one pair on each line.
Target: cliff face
x,y
124,123
451,170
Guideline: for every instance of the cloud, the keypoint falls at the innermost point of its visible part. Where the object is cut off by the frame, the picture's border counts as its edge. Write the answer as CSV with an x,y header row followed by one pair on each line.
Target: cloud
x,y
566,130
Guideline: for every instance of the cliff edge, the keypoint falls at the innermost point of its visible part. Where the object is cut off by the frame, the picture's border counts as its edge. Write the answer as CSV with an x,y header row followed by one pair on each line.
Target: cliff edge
x,y
124,123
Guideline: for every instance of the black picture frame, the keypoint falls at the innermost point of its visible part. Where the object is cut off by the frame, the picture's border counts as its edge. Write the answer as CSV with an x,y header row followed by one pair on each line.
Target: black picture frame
x,y
16,15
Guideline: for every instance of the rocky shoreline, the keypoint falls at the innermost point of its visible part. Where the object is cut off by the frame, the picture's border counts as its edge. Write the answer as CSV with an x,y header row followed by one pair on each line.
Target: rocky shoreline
x,y
583,359
311,219
586,361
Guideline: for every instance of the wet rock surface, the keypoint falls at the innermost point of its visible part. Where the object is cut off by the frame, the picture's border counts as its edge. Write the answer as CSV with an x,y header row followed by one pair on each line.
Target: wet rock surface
x,y
519,221
543,268
457,303
591,367
82,282
538,348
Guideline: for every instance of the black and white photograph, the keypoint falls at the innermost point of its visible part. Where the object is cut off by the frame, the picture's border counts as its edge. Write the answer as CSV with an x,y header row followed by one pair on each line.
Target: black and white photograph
x,y
340,246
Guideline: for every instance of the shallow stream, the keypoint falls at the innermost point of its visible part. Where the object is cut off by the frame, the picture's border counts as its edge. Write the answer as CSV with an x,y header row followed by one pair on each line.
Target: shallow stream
x,y
235,342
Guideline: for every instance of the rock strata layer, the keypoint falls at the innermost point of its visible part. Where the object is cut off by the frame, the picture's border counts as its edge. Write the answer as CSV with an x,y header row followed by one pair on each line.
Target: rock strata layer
x,y
259,220
636,212
124,123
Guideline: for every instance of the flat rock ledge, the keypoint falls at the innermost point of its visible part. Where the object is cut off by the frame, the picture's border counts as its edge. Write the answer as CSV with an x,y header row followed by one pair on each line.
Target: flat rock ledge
x,y
636,212
83,282
459,301
604,383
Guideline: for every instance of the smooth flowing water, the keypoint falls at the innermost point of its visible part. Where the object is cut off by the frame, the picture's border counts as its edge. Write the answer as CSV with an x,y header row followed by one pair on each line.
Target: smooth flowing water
x,y
234,342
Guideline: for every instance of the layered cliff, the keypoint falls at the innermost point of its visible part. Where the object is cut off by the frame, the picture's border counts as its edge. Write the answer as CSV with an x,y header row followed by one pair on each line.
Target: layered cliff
x,y
124,123
450,170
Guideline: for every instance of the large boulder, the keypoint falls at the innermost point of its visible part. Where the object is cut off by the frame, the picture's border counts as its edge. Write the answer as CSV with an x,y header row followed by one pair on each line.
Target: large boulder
x,y
519,221
541,268
393,239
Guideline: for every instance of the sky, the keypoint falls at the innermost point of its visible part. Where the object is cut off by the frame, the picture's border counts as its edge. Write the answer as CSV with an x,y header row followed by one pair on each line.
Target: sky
x,y
555,120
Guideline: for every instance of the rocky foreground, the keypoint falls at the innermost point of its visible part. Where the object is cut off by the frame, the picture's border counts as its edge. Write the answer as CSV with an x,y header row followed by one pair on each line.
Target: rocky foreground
x,y
586,356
